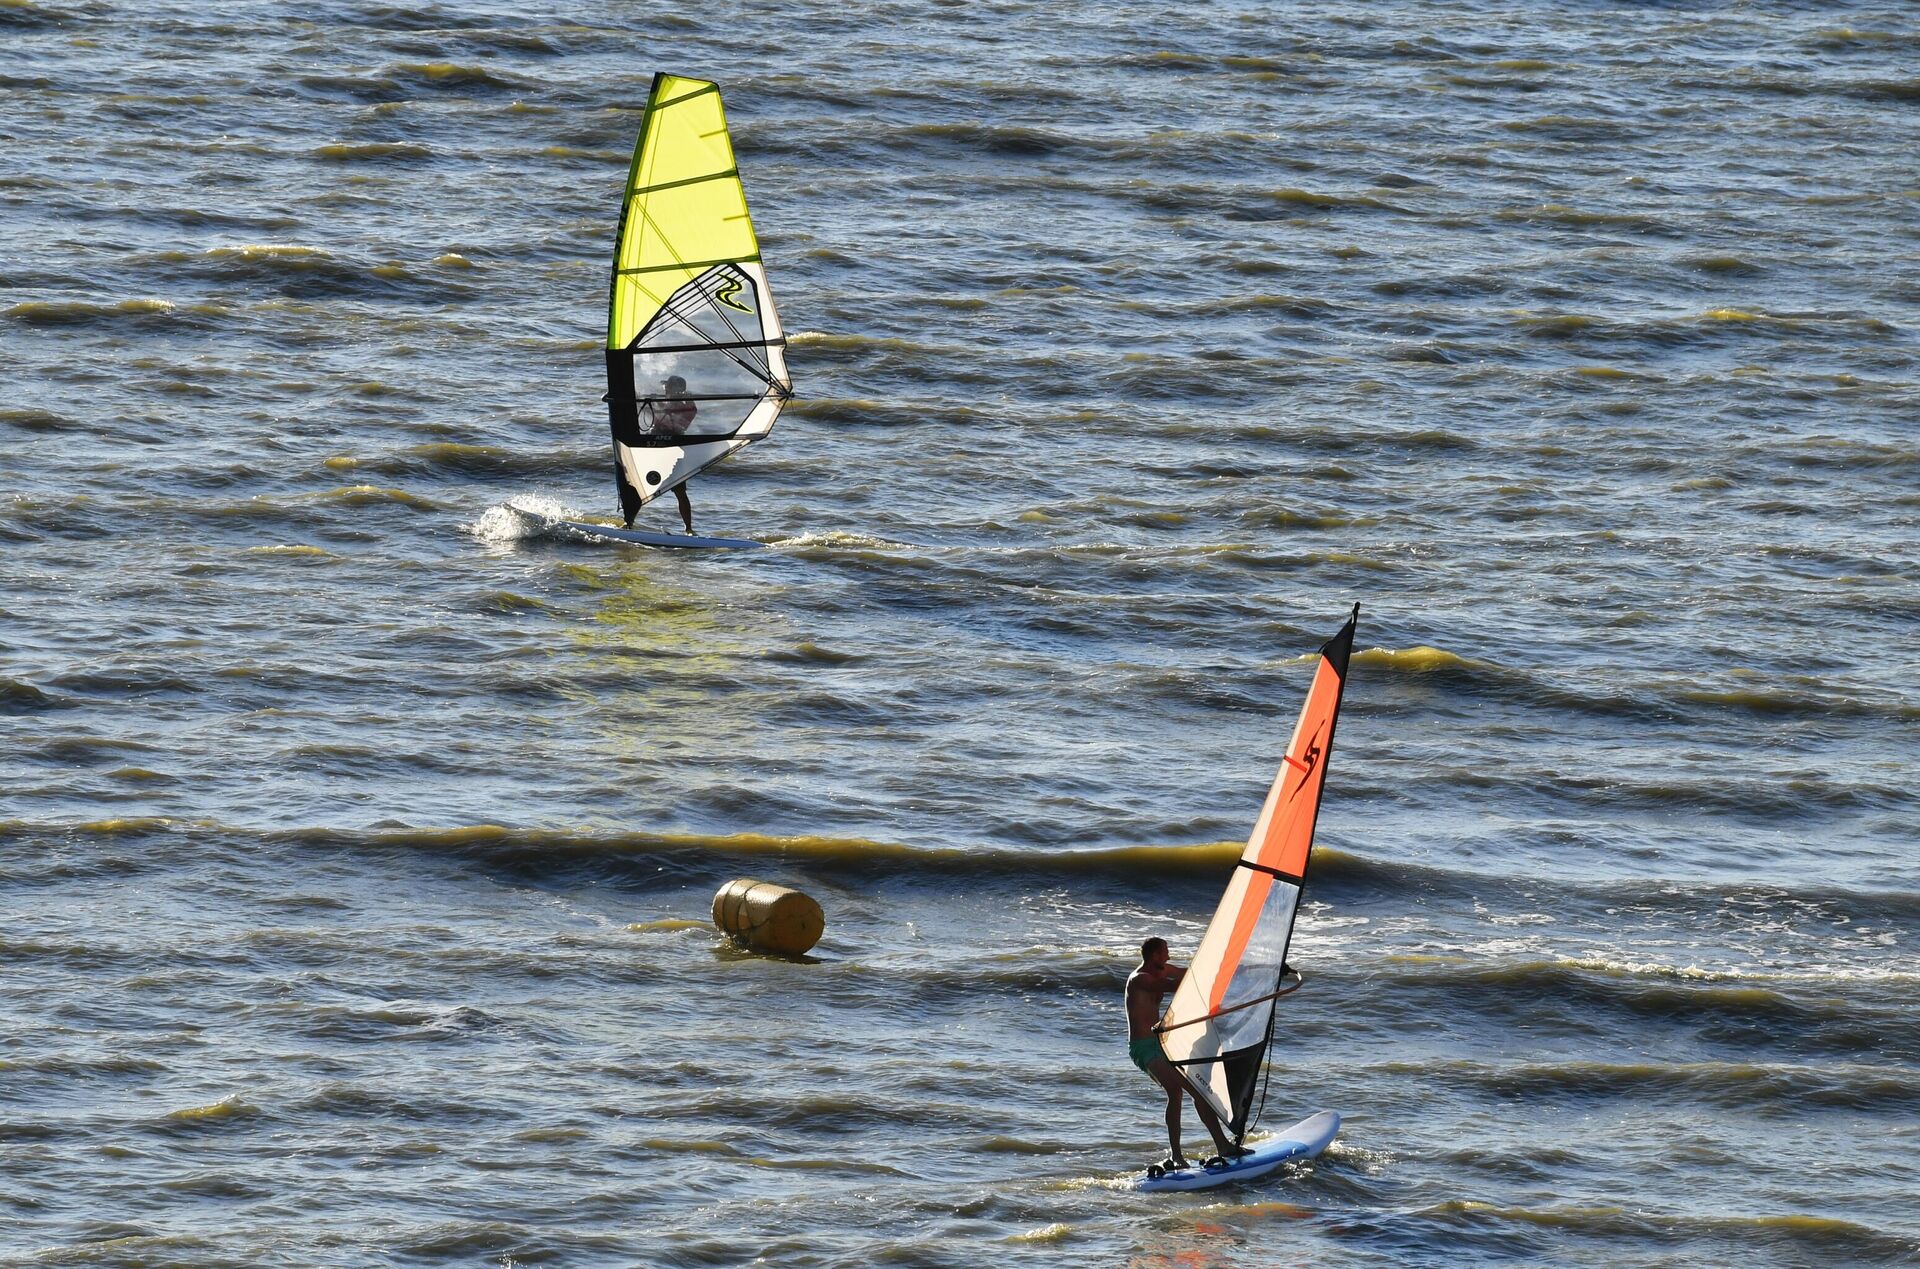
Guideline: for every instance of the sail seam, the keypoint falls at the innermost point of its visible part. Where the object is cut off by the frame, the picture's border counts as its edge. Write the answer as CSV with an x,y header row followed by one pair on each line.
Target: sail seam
x,y
698,92
675,442
687,180
711,396
778,341
686,264
1293,878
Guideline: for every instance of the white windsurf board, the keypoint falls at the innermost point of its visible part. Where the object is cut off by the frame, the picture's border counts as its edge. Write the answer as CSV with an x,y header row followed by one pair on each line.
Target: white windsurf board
x,y
1305,1140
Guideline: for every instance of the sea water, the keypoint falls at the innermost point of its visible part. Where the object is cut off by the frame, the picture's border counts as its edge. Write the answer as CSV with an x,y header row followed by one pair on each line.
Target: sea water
x,y
356,848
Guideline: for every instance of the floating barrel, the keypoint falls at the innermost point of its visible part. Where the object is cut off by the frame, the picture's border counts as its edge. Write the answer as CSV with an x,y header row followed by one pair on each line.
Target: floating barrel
x,y
768,918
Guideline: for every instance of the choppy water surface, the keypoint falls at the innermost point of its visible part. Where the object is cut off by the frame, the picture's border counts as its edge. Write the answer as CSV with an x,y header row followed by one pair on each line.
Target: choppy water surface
x,y
356,851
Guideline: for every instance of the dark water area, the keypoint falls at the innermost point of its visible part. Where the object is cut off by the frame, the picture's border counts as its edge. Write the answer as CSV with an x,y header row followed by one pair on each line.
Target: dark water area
x,y
356,844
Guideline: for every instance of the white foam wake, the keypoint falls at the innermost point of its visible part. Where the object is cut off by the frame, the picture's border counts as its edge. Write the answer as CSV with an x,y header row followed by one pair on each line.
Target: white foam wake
x,y
520,517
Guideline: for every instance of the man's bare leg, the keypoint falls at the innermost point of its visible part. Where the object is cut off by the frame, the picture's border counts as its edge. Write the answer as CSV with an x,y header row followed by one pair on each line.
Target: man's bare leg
x,y
1177,1084
1221,1146
1171,1083
686,507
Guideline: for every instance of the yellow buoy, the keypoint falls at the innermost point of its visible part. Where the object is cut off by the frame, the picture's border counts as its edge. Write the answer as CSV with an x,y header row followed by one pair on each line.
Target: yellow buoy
x,y
768,918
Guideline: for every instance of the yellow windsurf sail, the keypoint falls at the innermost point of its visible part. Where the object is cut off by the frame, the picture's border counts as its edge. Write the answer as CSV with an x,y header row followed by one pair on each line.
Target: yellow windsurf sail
x,y
1220,1021
696,358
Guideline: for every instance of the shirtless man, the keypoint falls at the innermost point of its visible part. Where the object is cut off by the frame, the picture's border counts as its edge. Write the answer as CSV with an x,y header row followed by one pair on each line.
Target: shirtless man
x,y
1146,987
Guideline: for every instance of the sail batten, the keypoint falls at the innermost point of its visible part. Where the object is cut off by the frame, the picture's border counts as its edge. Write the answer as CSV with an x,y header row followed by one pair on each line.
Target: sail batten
x,y
688,180
683,264
696,361
1294,877
1219,1024
738,343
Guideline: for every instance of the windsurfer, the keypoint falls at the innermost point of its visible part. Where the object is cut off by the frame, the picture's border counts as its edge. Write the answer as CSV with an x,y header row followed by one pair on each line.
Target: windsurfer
x,y
1146,987
672,416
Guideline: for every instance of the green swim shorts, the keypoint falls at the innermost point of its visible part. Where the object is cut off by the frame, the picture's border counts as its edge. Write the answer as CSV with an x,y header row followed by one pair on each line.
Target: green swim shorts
x,y
1144,1051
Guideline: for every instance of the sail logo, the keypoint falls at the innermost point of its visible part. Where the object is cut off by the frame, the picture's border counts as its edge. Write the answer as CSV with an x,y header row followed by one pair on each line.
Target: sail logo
x,y
1305,766
728,289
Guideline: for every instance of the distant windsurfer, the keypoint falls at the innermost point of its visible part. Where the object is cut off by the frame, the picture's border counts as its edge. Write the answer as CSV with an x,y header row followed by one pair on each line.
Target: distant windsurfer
x,y
672,416
1146,987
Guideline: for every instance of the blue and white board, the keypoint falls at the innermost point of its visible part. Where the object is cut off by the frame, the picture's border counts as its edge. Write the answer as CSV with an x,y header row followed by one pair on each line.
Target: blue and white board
x,y
1305,1140
632,537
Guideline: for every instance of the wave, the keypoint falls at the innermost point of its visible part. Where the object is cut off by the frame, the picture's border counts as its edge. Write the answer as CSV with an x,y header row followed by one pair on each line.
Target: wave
x,y
1657,698
395,1021
84,959
64,1068
709,853
1006,139
807,652
1421,660
1337,872
440,458
840,544
595,159
859,412
17,696
373,152
303,272
1846,455
130,313
1287,204
298,510
849,1112
827,855
1816,1012
1467,1227
366,89
1282,518
1715,325
1818,702
1762,798
375,496
1559,214
124,681
80,751
457,75
293,551
666,925
33,419
25,13
1899,91
230,1112
1846,37
1729,1085
1894,90
820,341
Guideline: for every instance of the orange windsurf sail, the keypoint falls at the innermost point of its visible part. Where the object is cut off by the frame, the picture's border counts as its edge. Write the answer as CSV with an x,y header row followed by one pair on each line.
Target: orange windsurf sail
x,y
1220,1021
